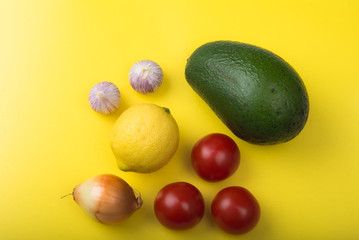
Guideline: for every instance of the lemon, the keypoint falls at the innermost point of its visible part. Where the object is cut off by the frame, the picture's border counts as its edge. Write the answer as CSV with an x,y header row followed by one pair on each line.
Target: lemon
x,y
145,137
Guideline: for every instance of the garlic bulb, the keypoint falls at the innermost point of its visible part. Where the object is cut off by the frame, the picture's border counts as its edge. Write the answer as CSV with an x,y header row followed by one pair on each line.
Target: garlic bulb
x,y
145,76
104,97
107,198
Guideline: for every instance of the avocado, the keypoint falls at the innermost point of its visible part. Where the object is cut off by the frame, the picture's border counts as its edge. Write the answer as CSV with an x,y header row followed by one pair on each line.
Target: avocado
x,y
256,94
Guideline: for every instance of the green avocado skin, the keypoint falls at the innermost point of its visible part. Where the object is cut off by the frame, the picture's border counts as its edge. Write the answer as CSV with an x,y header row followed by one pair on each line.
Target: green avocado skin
x,y
256,94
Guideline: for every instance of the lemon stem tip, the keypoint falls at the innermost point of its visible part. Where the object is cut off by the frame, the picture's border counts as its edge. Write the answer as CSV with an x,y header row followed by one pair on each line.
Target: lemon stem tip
x,y
167,110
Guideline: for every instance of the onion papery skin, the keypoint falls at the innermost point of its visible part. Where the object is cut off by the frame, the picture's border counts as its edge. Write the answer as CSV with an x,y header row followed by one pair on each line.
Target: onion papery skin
x,y
107,199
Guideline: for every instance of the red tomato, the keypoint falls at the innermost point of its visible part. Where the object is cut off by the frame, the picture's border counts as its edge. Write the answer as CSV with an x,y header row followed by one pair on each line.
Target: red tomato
x,y
235,210
179,206
215,157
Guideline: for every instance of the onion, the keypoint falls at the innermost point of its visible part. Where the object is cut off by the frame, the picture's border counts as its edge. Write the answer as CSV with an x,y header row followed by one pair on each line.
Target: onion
x,y
145,76
107,198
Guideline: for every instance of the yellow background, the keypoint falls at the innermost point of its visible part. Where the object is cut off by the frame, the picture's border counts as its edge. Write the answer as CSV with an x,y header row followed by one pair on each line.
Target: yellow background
x,y
53,52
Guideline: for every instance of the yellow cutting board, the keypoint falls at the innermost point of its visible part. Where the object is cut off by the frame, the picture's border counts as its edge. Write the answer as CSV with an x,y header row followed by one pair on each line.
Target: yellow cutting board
x,y
53,52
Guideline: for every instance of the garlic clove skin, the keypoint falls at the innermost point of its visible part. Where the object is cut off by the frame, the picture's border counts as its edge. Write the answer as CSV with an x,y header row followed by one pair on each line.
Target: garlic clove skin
x,y
145,76
107,199
104,97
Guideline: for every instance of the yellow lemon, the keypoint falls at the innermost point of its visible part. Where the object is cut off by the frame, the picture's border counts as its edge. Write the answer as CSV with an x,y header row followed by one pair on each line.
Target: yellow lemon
x,y
145,137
